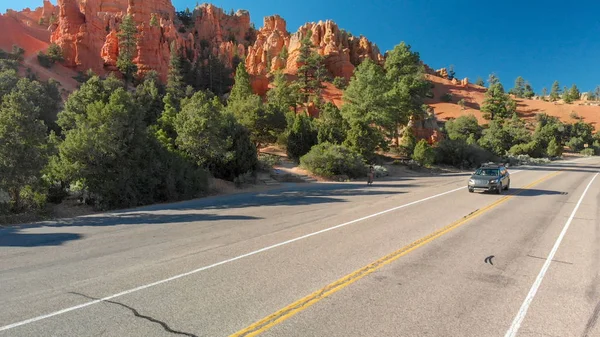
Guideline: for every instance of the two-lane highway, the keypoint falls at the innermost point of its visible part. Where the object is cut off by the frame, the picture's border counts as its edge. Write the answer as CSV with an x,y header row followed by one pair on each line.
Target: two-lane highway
x,y
400,258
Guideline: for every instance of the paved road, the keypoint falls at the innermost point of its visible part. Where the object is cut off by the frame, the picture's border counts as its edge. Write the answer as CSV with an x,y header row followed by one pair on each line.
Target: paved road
x,y
401,258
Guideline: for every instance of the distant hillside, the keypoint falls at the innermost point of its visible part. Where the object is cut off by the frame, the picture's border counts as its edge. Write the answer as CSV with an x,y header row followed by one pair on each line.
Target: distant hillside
x,y
474,95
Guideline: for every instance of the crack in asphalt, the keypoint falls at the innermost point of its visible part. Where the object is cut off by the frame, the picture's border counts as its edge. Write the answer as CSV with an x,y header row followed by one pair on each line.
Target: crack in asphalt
x,y
138,314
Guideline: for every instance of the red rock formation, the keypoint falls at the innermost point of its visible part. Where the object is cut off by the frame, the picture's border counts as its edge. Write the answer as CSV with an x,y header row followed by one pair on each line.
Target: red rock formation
x,y
270,40
214,26
426,127
226,35
70,21
32,17
110,51
86,31
443,73
342,52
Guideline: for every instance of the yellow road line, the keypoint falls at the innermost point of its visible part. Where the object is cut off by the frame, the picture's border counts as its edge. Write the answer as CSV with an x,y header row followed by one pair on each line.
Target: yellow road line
x,y
303,303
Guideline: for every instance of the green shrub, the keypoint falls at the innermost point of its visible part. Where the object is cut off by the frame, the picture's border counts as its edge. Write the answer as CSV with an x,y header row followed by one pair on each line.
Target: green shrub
x,y
588,152
56,193
340,83
576,144
596,147
330,160
458,153
267,161
32,198
524,159
447,97
463,127
55,53
532,149
44,60
301,136
554,149
407,142
424,154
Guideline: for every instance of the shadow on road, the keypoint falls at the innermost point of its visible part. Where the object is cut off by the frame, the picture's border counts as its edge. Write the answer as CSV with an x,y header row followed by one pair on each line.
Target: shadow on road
x,y
526,192
565,167
11,237
317,194
15,236
294,195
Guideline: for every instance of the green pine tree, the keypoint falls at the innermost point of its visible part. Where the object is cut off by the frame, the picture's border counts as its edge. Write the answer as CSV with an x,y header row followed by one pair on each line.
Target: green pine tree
x,y
405,74
127,48
528,91
284,95
242,87
175,83
311,72
497,104
519,89
23,145
555,91
574,93
493,79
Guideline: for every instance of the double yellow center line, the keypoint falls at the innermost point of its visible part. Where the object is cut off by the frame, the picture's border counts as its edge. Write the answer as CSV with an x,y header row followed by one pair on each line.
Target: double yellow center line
x,y
303,303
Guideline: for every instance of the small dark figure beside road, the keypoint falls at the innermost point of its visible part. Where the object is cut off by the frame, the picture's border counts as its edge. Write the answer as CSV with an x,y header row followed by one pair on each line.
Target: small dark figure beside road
x,y
371,174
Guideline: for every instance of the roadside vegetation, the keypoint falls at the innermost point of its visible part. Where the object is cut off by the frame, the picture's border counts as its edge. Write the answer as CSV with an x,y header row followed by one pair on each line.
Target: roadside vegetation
x,y
125,141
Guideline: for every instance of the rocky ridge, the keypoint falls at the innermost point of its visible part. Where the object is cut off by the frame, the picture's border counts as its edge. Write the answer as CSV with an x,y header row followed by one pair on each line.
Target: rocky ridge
x,y
86,30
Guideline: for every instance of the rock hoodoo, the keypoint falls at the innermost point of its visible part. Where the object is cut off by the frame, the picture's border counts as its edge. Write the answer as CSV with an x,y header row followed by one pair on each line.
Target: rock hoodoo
x,y
87,32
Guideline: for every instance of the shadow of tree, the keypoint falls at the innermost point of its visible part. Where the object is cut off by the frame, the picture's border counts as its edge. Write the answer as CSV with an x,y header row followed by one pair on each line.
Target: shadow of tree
x,y
14,236
291,195
310,195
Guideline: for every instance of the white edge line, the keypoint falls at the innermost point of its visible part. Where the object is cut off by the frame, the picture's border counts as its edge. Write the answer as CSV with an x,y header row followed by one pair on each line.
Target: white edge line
x,y
83,305
514,328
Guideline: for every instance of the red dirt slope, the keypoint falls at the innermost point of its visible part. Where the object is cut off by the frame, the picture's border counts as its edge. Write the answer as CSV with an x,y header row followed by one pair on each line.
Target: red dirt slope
x,y
33,38
29,38
526,108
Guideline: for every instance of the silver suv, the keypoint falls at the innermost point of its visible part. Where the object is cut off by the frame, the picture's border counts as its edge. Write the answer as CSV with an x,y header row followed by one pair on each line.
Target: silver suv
x,y
490,177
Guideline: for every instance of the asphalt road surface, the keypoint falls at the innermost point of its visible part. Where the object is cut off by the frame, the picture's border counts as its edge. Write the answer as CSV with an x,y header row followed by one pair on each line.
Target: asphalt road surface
x,y
407,257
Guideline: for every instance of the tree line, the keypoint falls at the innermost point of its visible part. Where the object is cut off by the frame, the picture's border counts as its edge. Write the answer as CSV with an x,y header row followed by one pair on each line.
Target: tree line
x,y
523,89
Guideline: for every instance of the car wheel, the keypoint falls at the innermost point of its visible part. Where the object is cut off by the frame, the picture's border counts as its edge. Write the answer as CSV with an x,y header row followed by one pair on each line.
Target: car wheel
x,y
471,190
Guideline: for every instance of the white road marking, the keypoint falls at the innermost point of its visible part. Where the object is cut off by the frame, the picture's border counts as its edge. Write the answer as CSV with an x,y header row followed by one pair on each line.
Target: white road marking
x,y
514,328
87,304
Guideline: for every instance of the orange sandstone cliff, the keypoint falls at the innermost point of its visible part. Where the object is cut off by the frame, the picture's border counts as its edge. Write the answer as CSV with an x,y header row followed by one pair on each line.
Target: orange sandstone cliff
x,y
87,32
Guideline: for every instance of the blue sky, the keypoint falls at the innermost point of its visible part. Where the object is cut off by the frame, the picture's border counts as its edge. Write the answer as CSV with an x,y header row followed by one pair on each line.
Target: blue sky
x,y
542,41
